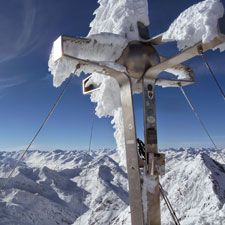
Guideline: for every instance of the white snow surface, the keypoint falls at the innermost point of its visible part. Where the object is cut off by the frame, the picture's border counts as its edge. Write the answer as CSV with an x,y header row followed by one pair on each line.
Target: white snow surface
x,y
47,188
197,23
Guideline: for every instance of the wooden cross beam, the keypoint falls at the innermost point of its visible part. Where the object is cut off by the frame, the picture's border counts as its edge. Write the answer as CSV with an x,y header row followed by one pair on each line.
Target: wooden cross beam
x,y
143,64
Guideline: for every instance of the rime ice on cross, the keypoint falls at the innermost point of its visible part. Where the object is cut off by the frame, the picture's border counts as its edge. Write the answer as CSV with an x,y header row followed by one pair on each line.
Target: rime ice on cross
x,y
135,65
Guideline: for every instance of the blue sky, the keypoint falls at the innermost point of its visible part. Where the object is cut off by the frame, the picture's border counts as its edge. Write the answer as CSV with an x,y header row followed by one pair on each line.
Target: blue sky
x,y
28,29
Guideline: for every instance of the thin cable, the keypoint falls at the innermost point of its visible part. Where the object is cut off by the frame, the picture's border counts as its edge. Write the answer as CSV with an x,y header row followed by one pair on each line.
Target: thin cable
x,y
203,125
213,75
86,169
44,122
141,149
169,206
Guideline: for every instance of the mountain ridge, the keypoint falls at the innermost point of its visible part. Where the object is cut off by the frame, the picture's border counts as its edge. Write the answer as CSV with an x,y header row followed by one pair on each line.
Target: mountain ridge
x,y
50,186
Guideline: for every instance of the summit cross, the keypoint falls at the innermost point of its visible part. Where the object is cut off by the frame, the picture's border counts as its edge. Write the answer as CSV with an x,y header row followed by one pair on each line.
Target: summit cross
x,y
143,64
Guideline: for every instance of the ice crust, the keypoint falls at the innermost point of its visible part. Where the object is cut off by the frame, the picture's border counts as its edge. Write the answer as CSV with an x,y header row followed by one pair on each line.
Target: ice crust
x,y
181,74
197,23
103,48
119,18
149,184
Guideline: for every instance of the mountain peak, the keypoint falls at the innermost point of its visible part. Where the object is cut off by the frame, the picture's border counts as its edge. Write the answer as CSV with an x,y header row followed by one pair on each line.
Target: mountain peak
x,y
48,188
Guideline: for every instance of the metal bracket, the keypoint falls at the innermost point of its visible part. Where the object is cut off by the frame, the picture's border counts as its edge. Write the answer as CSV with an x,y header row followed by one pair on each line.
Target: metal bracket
x,y
88,89
156,164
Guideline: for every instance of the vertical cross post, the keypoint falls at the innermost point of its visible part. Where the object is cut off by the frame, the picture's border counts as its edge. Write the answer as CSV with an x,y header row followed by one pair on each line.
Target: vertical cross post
x,y
134,179
151,150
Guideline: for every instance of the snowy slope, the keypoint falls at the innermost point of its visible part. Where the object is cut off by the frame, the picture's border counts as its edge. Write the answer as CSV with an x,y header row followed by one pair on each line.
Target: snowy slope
x,y
48,187
195,184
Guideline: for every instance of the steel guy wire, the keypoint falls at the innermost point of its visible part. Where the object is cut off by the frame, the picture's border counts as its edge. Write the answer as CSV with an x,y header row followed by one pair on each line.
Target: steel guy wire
x,y
169,206
203,125
2,186
211,72
86,169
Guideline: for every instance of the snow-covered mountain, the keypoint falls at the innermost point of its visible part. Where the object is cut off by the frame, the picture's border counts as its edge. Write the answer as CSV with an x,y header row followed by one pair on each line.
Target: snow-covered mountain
x,y
48,188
